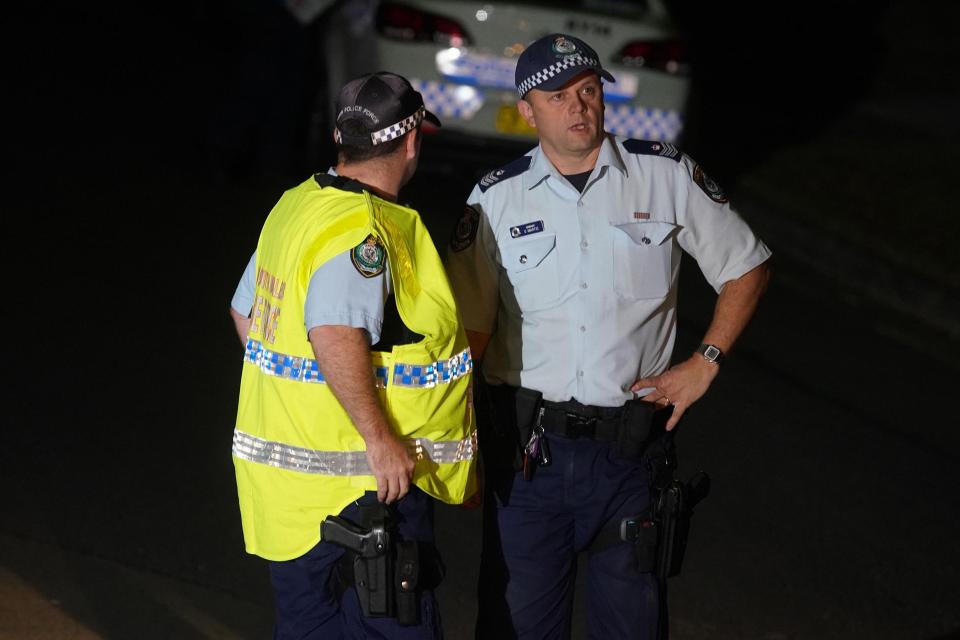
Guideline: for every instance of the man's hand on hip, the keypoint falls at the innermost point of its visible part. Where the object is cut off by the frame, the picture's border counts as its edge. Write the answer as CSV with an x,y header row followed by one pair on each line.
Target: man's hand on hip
x,y
680,385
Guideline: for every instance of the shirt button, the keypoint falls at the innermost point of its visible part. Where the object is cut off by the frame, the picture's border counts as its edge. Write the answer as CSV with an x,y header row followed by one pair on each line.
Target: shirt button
x,y
582,328
645,240
583,285
583,245
580,373
523,259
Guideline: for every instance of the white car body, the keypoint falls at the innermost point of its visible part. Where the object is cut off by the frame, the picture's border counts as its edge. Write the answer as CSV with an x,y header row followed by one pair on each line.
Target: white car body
x,y
468,80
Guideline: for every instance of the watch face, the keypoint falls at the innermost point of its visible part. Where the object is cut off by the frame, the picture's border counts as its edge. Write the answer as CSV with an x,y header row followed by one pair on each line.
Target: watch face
x,y
710,352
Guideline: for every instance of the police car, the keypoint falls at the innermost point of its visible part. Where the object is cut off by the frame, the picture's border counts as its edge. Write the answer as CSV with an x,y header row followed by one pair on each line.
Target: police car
x,y
461,56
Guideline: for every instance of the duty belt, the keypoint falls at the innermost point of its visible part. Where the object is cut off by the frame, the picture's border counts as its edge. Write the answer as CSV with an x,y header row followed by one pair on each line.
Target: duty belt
x,y
576,420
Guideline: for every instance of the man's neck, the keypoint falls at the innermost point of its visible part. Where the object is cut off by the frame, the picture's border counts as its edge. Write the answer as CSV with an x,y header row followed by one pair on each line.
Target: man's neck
x,y
382,179
568,163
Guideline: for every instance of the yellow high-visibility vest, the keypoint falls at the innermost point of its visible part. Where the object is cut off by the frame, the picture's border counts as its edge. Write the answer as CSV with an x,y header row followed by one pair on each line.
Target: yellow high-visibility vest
x,y
297,455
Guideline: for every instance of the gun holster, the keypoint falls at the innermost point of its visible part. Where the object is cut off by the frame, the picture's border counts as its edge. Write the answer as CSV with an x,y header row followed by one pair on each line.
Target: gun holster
x,y
673,511
388,573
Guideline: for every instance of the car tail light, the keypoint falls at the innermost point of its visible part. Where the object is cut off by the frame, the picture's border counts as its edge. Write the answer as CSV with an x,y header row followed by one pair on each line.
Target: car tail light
x,y
664,55
402,22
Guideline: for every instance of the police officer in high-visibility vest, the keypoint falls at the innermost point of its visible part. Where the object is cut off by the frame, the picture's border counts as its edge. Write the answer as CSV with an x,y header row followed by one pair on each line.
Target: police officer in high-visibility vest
x,y
354,410
566,264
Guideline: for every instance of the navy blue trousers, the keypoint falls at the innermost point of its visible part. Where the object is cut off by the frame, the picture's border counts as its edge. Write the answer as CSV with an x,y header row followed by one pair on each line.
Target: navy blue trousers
x,y
533,531
307,606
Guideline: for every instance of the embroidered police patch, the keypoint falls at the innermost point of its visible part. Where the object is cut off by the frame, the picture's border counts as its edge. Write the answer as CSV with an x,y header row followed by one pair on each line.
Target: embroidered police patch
x,y
466,230
369,257
709,186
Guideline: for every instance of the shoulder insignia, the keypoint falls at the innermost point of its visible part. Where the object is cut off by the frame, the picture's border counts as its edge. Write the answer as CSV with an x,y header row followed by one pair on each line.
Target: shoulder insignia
x,y
466,230
651,148
369,257
509,170
709,185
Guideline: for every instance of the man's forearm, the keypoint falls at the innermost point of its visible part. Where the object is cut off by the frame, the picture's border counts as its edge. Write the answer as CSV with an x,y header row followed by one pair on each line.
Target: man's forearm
x,y
241,323
735,306
343,354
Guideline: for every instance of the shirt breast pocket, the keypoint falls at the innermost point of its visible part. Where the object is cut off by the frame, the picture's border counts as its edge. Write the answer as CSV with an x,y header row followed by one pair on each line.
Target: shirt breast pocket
x,y
531,265
642,259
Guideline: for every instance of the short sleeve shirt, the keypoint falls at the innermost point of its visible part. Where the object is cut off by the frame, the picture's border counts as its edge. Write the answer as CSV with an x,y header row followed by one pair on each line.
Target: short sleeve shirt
x,y
579,290
338,294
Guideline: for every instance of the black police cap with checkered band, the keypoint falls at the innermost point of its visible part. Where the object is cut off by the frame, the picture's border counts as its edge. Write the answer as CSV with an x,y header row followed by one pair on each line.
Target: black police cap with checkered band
x,y
550,62
384,104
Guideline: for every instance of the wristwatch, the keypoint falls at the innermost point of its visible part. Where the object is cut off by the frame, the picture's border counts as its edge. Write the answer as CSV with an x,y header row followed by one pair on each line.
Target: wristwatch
x,y
710,353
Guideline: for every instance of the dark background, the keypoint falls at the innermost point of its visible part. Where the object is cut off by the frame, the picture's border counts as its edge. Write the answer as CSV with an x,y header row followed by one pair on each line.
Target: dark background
x,y
147,143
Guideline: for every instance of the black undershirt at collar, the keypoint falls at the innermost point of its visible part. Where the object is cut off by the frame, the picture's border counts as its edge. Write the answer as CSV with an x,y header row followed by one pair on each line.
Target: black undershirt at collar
x,y
578,180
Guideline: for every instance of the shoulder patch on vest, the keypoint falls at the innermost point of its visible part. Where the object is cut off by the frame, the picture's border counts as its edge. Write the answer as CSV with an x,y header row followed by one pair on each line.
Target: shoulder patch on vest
x,y
369,257
651,148
466,230
509,170
709,185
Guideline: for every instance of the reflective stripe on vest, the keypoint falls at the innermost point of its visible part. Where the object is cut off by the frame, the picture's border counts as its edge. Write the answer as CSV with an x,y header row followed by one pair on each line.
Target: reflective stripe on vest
x,y
343,463
302,369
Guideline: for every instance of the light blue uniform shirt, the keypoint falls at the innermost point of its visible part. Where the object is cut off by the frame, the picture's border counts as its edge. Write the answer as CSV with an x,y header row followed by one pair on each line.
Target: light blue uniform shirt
x,y
336,295
579,291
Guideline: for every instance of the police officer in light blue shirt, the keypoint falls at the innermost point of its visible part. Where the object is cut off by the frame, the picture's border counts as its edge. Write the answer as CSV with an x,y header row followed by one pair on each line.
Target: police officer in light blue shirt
x,y
565,264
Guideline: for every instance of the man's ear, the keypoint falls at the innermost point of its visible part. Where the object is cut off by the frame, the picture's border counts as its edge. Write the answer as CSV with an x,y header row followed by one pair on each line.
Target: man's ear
x,y
526,111
412,143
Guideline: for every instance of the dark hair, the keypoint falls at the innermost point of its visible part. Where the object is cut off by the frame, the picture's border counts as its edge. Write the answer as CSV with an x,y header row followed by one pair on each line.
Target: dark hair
x,y
348,154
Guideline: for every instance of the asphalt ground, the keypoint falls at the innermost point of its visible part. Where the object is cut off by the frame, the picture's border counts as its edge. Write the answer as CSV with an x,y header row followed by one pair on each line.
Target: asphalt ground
x,y
830,436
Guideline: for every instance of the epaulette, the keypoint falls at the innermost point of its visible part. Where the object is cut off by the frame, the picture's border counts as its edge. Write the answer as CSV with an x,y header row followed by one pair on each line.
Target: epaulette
x,y
651,148
509,170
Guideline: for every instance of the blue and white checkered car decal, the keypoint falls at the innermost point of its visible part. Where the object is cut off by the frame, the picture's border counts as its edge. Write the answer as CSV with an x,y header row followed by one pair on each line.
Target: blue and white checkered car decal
x,y
576,60
302,369
450,100
642,123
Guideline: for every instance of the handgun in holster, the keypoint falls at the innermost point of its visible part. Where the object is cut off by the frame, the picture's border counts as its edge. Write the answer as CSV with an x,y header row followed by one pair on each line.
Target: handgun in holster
x,y
384,569
661,535
672,514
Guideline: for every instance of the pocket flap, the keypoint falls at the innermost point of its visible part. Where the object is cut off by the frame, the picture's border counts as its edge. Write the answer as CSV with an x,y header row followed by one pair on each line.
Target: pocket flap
x,y
646,233
520,255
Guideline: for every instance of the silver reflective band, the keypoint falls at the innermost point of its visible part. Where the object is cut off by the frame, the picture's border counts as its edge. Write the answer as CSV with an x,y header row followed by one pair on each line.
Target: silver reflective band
x,y
344,463
281,365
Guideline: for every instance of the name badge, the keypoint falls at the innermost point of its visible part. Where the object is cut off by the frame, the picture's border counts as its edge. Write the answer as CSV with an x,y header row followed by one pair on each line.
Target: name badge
x,y
526,229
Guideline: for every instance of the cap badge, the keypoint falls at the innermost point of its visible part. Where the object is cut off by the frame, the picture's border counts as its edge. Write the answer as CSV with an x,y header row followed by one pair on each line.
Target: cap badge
x,y
563,46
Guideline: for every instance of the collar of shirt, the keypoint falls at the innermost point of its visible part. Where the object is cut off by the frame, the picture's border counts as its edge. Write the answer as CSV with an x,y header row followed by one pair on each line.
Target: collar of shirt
x,y
541,168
